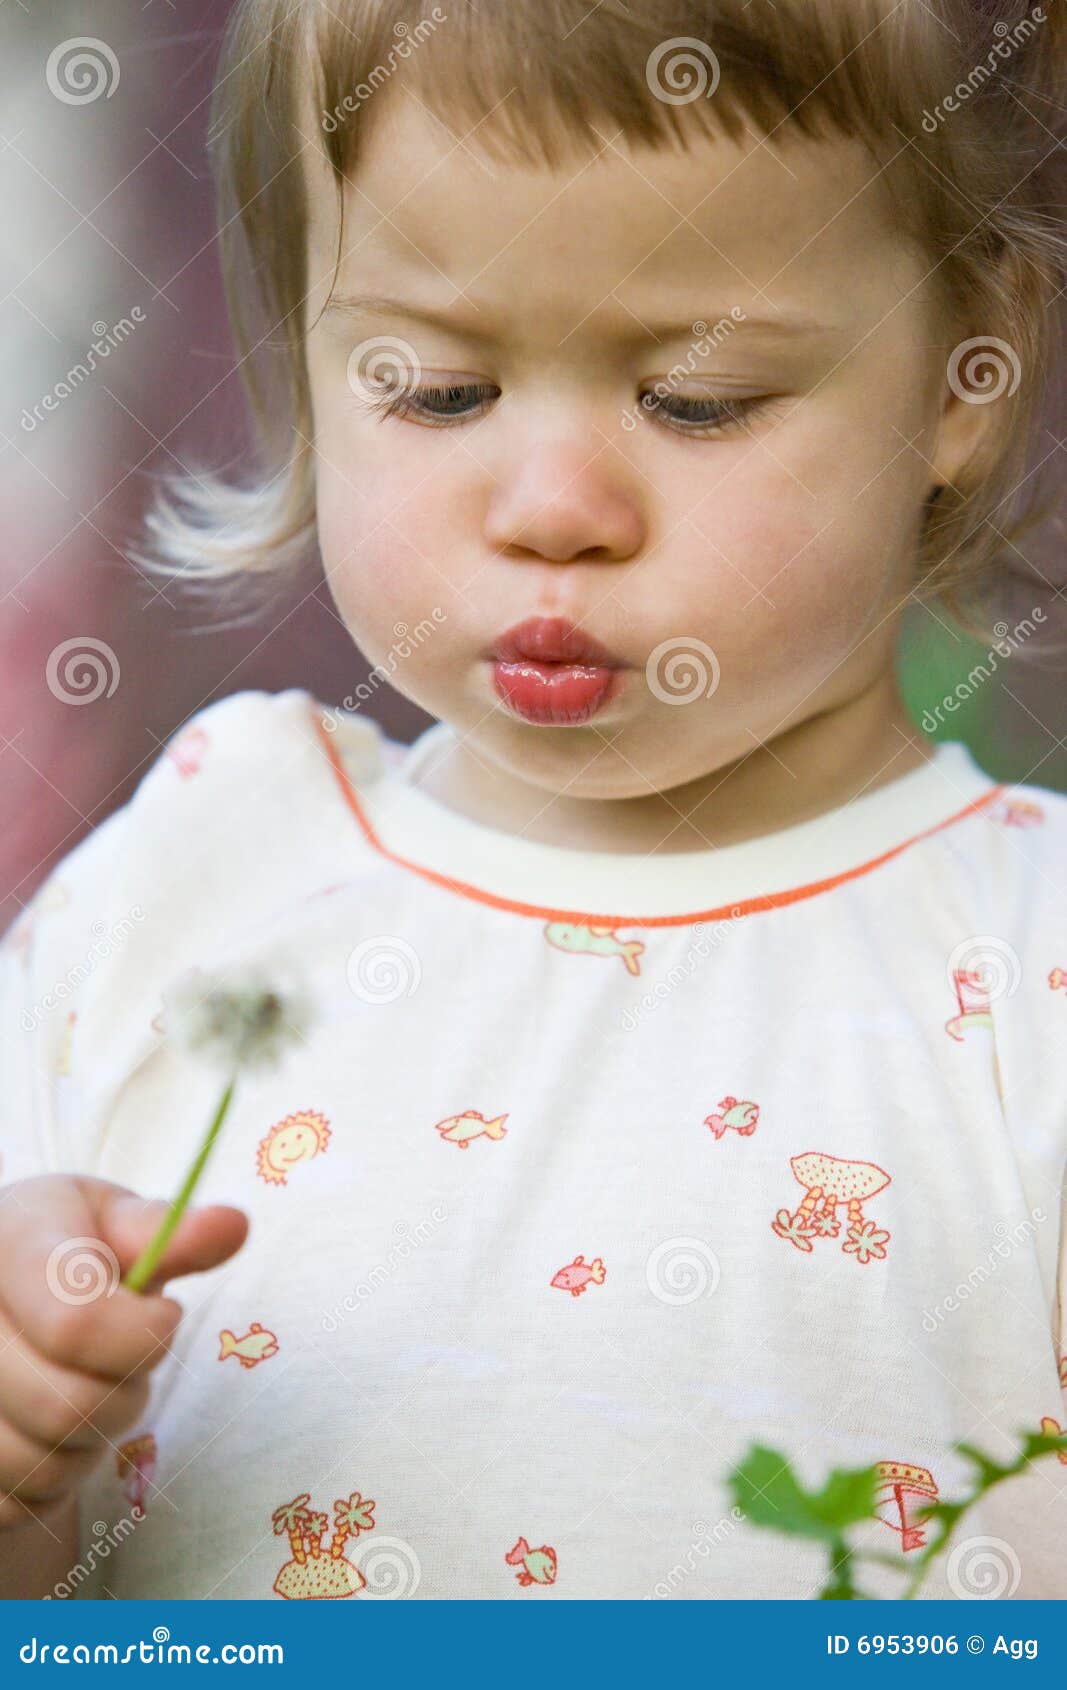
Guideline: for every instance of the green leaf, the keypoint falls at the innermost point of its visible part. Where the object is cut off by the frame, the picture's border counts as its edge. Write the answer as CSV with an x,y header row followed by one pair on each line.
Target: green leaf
x,y
847,1496
769,1494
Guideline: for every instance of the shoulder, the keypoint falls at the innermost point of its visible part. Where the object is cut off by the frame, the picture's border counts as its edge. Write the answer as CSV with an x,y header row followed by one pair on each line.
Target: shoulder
x,y
238,818
267,740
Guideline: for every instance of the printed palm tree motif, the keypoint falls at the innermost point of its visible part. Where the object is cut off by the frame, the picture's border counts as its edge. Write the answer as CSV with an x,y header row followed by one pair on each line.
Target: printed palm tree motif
x,y
312,1572
349,1519
831,1182
292,1517
902,1491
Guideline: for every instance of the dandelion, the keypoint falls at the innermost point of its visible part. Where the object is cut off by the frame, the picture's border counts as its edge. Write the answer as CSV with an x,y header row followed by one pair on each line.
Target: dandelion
x,y
245,1023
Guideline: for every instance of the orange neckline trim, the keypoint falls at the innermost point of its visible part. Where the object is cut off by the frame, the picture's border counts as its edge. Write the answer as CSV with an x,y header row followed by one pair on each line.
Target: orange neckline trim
x,y
745,906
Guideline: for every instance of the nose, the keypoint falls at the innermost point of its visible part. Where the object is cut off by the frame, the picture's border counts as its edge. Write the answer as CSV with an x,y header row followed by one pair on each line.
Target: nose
x,y
566,506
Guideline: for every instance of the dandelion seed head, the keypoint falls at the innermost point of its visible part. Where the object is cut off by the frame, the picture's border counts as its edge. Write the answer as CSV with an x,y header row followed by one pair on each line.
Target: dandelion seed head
x,y
238,1021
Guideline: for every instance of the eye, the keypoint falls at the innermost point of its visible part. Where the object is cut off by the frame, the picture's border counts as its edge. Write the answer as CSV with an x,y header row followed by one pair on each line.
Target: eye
x,y
438,405
703,416
449,402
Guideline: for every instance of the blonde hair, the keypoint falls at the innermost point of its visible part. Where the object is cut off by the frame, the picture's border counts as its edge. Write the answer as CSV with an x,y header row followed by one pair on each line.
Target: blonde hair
x,y
962,110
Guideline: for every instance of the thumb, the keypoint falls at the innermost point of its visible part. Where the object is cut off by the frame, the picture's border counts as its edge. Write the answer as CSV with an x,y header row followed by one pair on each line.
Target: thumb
x,y
204,1237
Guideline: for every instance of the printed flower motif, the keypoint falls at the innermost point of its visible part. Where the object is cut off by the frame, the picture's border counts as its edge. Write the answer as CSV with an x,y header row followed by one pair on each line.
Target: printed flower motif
x,y
867,1242
825,1225
791,1227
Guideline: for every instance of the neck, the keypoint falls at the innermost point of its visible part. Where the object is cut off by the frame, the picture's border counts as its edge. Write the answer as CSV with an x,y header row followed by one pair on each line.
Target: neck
x,y
818,765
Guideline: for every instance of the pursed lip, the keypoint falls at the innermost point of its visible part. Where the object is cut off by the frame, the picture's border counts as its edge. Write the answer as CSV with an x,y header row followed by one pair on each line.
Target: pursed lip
x,y
552,639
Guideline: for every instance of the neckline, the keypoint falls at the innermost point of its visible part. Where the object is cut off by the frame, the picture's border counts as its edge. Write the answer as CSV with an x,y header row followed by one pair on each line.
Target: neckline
x,y
635,889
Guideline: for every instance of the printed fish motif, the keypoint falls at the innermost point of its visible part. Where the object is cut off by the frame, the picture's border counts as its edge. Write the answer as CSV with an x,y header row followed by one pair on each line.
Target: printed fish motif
x,y
538,1566
588,939
743,1117
461,1129
258,1344
579,1274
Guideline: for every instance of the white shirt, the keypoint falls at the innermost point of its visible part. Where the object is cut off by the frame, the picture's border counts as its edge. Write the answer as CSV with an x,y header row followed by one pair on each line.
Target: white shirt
x,y
550,1216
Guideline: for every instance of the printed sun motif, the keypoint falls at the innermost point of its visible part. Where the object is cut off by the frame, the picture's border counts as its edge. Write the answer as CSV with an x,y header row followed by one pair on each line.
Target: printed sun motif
x,y
297,1138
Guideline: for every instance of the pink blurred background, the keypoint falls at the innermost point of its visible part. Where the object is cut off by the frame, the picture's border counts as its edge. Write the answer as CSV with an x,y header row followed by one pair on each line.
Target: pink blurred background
x,y
109,207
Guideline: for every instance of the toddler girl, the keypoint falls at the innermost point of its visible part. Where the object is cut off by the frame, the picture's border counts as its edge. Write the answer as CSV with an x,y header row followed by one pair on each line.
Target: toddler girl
x,y
690,1069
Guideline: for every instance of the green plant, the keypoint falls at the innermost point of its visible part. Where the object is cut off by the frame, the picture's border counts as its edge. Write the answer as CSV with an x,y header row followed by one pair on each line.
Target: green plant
x,y
770,1495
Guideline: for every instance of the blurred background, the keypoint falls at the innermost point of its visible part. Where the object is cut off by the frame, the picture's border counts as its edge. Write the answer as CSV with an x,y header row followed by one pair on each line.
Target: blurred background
x,y
108,237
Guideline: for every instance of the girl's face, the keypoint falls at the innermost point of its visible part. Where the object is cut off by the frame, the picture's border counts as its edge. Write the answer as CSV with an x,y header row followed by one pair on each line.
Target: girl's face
x,y
760,512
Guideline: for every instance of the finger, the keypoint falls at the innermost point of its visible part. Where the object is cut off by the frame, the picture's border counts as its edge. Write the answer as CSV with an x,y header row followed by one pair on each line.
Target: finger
x,y
60,1406
203,1239
59,1279
33,1473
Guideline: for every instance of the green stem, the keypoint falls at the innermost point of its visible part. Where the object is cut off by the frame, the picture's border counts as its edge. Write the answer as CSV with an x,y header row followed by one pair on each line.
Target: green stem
x,y
145,1265
944,1528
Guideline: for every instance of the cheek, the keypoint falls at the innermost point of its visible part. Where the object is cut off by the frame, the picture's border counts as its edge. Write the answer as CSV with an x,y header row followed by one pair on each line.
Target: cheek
x,y
384,552
817,527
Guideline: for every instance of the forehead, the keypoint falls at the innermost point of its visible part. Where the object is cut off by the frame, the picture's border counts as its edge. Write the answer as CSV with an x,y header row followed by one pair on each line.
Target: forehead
x,y
798,225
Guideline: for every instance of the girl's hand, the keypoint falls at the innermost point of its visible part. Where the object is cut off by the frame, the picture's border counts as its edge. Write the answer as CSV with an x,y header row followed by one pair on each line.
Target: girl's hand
x,y
77,1347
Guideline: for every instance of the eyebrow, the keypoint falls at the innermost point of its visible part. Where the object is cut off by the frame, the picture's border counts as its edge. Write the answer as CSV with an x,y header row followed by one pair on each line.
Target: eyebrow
x,y
787,325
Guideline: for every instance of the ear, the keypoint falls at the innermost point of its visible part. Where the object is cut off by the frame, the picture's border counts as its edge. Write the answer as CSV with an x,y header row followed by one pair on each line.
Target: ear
x,y
981,374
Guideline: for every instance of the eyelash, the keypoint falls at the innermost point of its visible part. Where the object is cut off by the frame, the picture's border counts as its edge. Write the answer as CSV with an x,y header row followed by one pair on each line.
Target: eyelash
x,y
406,402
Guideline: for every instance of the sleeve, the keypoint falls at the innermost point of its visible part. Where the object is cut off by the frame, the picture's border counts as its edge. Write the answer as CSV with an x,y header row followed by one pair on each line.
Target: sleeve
x,y
50,959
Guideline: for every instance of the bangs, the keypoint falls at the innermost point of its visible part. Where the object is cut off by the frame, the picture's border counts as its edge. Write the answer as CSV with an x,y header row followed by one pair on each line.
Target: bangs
x,y
533,86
